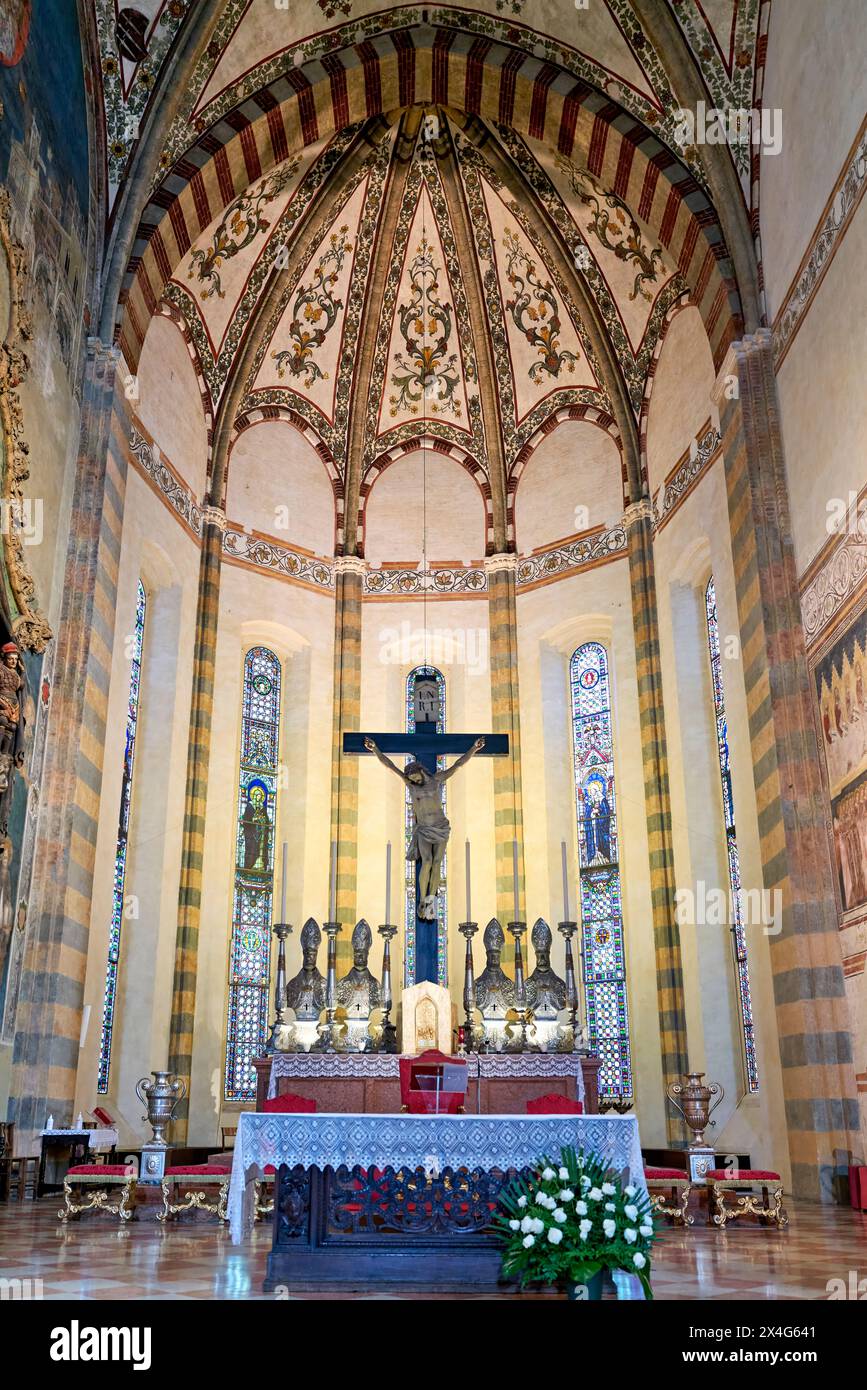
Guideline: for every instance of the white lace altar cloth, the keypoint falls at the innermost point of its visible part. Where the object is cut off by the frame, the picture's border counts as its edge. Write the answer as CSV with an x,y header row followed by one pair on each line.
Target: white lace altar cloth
x,y
96,1138
303,1065
432,1142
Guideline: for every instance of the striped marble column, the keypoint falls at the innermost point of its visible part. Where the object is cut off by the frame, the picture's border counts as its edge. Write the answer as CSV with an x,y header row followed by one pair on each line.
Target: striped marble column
x,y
812,1016
505,719
48,1019
666,933
349,577
180,1057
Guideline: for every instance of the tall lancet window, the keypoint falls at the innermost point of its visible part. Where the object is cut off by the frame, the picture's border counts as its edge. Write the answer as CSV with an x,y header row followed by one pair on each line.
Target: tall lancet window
x,y
415,701
120,854
604,967
250,946
738,933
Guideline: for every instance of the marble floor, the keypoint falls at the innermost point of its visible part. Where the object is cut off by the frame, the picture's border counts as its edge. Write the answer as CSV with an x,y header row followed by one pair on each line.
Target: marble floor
x,y
94,1258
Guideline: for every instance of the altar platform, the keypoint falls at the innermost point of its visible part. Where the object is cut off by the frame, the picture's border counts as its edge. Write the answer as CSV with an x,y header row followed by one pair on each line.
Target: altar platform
x,y
365,1200
369,1083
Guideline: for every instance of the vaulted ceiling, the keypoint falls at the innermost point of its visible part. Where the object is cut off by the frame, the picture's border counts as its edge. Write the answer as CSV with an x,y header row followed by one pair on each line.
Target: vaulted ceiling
x,y
423,222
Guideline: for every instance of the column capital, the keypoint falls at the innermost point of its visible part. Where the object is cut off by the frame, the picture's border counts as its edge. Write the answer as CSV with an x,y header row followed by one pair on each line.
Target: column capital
x,y
349,564
214,516
504,563
638,511
751,345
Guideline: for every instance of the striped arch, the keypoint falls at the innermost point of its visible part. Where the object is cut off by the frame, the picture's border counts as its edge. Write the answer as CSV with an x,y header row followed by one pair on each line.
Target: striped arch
x,y
446,449
171,311
257,415
590,413
452,68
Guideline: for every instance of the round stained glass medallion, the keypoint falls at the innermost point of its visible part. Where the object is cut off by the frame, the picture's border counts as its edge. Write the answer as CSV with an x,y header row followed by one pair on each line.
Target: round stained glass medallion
x,y
261,684
603,936
589,678
251,940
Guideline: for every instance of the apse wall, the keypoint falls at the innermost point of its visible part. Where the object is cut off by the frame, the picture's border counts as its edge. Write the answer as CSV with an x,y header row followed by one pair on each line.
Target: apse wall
x,y
297,624
168,568
168,402
572,483
424,494
278,486
692,542
553,620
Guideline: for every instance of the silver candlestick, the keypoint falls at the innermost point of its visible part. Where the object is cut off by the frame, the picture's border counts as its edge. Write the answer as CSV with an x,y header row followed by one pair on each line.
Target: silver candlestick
x,y
471,1042
567,930
388,1037
282,1033
330,1032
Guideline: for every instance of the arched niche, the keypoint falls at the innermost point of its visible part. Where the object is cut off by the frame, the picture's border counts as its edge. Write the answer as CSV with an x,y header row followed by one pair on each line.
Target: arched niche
x,y
170,402
680,402
424,490
571,483
278,484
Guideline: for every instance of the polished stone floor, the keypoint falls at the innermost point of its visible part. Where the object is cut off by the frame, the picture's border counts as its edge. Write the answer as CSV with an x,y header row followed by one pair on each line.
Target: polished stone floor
x,y
95,1258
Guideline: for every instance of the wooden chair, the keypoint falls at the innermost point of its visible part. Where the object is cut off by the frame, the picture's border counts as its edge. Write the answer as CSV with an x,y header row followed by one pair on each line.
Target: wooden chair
x,y
15,1172
229,1134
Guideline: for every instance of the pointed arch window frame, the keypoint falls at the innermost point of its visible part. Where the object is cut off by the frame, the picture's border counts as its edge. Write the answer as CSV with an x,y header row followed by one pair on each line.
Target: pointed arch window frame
x,y
738,926
603,957
121,854
431,673
253,884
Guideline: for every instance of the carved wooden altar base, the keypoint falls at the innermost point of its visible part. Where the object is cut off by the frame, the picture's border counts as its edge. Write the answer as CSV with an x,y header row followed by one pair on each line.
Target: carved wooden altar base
x,y
350,1228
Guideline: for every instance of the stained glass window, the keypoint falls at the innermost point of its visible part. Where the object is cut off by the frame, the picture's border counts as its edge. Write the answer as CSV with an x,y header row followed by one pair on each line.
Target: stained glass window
x,y
250,946
734,864
604,967
120,854
420,673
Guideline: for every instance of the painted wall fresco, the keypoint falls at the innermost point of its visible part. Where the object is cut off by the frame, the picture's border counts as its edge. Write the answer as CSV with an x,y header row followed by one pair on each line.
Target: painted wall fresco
x,y
841,690
45,172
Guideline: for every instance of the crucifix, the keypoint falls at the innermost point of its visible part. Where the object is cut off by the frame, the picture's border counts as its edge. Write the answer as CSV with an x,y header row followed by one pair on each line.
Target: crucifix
x,y
424,782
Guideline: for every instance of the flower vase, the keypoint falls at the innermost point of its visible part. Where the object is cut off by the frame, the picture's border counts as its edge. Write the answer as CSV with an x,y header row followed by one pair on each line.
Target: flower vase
x,y
588,1290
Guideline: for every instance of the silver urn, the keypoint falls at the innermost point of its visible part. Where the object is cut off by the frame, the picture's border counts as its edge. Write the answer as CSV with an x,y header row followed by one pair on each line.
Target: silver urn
x,y
160,1098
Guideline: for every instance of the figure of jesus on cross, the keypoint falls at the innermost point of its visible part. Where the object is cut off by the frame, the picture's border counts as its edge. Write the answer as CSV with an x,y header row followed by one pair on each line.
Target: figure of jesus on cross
x,y
431,831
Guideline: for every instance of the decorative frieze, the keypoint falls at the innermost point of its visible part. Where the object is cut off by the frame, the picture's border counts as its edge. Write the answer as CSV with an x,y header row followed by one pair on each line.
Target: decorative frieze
x,y
832,582
826,240
446,582
702,453
277,559
571,556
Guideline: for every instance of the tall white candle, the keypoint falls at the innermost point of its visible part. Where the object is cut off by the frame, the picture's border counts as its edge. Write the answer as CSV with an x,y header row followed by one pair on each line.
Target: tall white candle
x,y
332,893
388,882
565,882
283,884
515,875
469,916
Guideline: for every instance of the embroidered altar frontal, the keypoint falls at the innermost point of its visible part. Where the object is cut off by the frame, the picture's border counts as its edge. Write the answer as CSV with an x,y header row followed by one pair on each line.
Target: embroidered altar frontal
x,y
365,1200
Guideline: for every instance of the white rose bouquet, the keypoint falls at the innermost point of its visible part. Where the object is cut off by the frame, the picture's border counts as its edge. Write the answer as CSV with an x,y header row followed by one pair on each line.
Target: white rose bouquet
x,y
572,1219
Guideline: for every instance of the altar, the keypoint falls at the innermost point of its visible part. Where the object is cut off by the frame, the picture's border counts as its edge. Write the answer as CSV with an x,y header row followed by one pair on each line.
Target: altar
x,y
369,1083
374,1200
